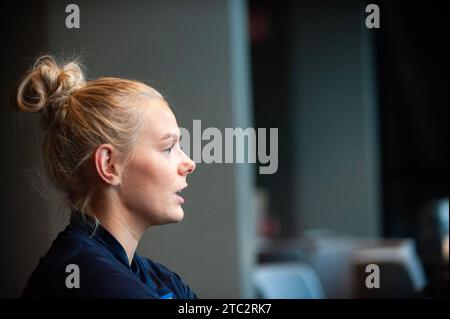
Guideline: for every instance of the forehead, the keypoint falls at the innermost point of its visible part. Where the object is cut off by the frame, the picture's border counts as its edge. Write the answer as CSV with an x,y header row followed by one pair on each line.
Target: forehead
x,y
158,119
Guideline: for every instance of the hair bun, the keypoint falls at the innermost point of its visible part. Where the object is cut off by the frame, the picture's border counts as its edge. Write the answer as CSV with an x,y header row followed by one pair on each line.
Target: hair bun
x,y
47,86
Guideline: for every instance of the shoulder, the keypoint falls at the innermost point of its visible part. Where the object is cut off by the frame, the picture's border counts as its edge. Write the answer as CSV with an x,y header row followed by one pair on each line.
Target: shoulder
x,y
75,268
102,277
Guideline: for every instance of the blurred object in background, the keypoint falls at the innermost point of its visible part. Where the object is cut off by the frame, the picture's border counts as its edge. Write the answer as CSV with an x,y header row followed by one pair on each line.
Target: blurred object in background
x,y
259,26
329,255
340,264
445,248
400,274
433,230
432,234
268,226
443,217
288,280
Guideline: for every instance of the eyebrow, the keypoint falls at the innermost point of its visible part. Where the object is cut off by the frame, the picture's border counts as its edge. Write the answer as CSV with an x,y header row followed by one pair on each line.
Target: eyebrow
x,y
171,136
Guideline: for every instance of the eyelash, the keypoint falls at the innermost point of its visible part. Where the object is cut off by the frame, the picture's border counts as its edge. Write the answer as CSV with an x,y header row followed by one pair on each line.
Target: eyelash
x,y
169,149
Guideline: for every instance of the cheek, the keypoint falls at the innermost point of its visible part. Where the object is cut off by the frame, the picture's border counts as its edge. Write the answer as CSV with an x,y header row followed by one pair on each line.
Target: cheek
x,y
148,190
149,177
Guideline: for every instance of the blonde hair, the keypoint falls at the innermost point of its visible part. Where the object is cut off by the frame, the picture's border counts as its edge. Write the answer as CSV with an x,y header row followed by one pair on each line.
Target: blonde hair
x,y
78,116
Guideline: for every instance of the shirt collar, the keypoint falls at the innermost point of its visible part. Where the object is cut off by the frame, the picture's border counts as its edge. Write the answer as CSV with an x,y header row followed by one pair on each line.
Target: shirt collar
x,y
88,226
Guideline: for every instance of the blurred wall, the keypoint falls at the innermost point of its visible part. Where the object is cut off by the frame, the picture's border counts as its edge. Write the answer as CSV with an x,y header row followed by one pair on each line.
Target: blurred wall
x,y
334,120
25,221
195,54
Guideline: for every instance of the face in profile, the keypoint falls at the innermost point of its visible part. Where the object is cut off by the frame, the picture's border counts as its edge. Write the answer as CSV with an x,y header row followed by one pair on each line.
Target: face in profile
x,y
151,183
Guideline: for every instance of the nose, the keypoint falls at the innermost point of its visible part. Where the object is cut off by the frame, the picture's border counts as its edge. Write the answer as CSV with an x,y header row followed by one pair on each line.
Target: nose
x,y
187,166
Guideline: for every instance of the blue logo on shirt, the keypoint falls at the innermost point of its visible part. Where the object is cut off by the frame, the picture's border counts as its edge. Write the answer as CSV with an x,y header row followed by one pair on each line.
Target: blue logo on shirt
x,y
168,295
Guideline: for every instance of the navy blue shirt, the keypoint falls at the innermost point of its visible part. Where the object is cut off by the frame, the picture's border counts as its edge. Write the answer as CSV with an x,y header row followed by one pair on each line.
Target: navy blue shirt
x,y
103,268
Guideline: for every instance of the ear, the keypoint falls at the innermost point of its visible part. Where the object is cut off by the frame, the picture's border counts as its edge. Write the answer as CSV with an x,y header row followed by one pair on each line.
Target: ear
x,y
107,164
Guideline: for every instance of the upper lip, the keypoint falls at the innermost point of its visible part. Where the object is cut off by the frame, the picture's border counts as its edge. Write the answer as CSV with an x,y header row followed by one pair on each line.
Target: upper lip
x,y
185,186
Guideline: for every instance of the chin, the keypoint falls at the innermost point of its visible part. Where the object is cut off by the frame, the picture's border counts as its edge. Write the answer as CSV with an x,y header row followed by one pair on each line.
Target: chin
x,y
176,216
180,215
173,216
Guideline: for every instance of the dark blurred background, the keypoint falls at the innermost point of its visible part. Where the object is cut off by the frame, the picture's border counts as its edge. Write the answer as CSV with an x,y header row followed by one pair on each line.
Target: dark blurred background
x,y
362,116
409,61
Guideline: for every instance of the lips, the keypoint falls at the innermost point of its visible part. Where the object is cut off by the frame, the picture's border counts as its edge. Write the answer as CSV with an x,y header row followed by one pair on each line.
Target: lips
x,y
177,195
179,198
181,189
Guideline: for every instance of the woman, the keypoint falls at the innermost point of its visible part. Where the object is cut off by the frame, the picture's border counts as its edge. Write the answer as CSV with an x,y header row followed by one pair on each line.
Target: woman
x,y
113,147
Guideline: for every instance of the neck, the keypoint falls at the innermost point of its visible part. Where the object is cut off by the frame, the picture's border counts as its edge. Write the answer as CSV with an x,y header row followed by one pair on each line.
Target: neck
x,y
118,221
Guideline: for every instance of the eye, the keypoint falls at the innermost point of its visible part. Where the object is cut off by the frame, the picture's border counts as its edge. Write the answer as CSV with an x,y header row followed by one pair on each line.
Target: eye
x,y
169,149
